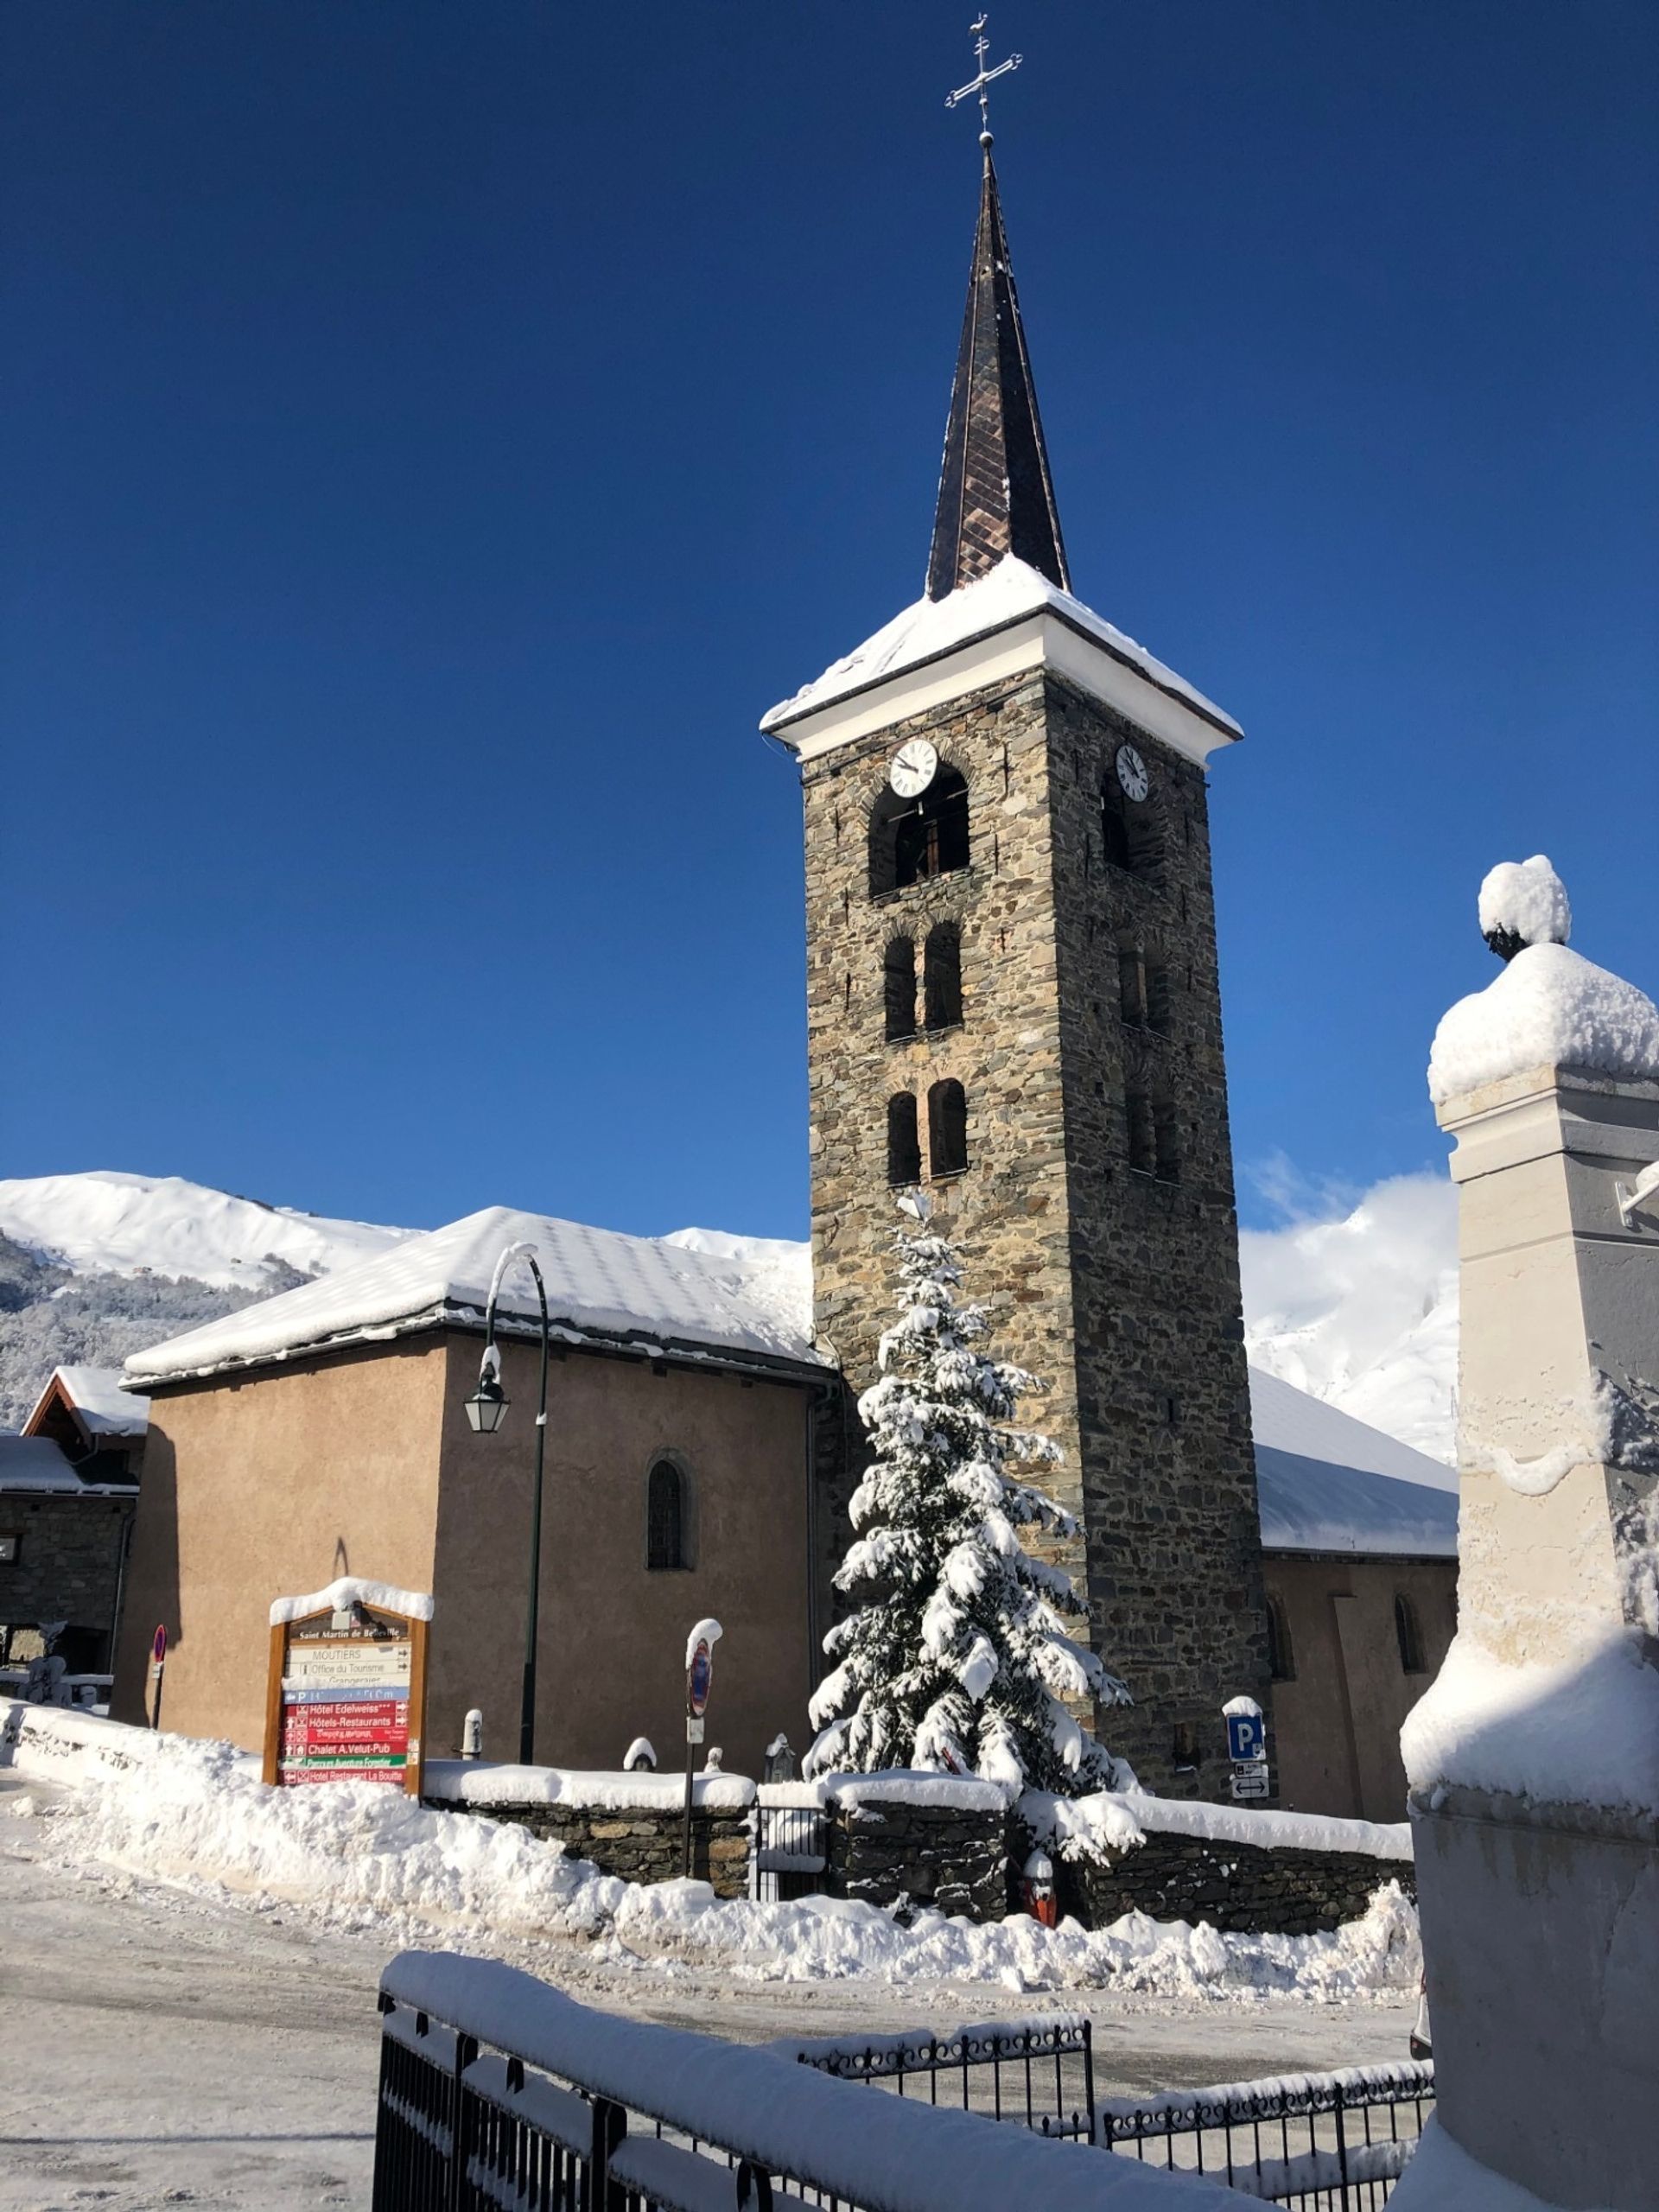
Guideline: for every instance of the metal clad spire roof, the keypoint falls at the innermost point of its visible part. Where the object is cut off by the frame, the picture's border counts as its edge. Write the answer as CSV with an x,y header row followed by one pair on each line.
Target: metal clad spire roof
x,y
995,494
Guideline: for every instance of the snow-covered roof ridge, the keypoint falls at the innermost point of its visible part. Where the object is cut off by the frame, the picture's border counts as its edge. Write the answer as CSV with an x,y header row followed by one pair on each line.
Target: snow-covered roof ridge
x,y
96,1393
1328,1483
931,627
1550,1008
598,1280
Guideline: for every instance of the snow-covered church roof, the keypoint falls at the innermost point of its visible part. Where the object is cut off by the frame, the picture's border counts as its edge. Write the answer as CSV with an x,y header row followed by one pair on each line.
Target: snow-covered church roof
x,y
645,1291
1328,1483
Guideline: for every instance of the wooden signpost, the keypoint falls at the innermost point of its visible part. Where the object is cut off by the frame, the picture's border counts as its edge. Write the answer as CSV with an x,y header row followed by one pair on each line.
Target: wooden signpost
x,y
346,1695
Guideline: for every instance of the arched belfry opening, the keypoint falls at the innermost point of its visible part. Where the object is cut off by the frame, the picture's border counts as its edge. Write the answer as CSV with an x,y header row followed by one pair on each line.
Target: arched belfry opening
x,y
941,976
912,840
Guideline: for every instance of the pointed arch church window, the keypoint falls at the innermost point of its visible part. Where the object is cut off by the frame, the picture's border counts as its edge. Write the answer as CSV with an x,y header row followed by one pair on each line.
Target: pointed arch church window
x,y
664,1517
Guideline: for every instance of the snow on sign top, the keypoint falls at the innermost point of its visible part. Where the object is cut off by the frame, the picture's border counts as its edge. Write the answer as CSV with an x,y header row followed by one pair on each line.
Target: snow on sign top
x,y
350,1590
597,1280
1549,1008
932,627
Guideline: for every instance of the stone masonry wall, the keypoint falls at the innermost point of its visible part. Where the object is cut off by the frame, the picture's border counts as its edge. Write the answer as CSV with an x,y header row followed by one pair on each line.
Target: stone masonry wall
x,y
952,1859
638,1843
67,1569
1119,1291
1236,1887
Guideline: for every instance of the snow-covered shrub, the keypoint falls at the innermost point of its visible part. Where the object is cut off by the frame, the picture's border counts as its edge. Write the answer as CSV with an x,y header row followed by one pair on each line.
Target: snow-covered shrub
x,y
958,1660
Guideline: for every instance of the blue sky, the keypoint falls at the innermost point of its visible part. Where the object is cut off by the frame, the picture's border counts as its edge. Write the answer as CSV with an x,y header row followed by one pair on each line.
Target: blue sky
x,y
434,434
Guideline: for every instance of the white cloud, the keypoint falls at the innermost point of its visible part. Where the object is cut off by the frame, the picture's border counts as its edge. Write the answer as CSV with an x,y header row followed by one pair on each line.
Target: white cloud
x,y
1354,1299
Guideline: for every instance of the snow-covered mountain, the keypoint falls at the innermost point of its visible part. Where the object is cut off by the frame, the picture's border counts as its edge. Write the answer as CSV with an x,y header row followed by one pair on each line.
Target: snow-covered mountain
x,y
1359,1309
96,1265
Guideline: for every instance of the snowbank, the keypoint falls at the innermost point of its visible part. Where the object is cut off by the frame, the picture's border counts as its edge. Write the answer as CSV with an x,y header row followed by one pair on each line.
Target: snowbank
x,y
1443,2177
1549,1008
931,627
349,1590
1584,1733
475,1782
197,1814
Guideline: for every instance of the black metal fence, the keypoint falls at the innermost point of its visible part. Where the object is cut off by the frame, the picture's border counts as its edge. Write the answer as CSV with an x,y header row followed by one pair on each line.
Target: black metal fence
x,y
1040,2073
789,1851
498,2094
1327,2142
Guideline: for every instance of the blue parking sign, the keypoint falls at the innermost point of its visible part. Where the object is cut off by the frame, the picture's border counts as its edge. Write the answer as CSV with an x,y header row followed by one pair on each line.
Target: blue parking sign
x,y
1246,1736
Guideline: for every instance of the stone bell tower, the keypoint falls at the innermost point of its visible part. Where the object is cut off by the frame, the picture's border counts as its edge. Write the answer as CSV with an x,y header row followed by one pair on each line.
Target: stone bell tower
x,y
1012,1002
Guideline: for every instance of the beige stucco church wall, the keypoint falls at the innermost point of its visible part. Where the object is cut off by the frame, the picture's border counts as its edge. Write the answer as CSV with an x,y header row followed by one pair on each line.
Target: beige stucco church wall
x,y
1336,1720
363,1463
612,1643
270,1485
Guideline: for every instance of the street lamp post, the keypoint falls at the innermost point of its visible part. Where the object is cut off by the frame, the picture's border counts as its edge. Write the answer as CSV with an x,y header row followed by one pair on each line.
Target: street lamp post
x,y
484,1409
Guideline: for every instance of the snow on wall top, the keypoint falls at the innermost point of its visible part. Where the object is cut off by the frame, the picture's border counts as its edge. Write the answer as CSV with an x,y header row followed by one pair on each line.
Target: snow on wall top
x,y
105,1222
105,1408
1550,1007
1581,1731
1527,899
36,1463
933,627
596,1279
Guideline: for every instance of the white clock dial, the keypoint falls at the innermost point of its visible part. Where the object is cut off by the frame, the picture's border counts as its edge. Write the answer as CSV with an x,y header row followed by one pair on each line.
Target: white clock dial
x,y
1132,772
914,767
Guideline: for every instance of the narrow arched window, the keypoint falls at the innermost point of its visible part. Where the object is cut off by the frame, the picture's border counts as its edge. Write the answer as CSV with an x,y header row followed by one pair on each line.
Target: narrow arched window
x,y
947,1129
1142,1136
941,976
1282,1659
1156,988
1131,987
912,839
899,987
1408,1635
904,1140
1166,1140
664,1516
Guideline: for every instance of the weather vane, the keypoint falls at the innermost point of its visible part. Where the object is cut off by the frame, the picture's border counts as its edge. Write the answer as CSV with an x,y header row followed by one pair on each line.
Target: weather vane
x,y
982,47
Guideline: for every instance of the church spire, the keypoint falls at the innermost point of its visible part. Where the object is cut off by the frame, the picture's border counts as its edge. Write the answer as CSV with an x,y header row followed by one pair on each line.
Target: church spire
x,y
996,494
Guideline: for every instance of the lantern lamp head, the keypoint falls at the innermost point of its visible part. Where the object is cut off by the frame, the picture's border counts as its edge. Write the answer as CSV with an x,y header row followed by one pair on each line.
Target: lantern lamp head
x,y
487,1404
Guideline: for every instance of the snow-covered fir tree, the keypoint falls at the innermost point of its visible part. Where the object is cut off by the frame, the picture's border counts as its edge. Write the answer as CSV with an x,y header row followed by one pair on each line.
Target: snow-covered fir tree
x,y
958,1658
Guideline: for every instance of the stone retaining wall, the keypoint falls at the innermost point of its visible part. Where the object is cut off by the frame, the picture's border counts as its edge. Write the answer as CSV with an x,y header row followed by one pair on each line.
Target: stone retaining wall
x,y
951,1859
1240,1888
636,1843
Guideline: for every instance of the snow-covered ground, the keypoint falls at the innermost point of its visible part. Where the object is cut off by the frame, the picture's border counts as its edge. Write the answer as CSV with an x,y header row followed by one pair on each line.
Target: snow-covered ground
x,y
185,2035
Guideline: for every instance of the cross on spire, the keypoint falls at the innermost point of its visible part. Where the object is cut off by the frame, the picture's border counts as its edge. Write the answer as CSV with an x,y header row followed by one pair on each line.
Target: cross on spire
x,y
986,77
996,494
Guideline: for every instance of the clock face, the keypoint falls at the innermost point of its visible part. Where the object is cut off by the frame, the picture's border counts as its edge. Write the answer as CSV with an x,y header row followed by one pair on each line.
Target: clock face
x,y
1132,772
914,767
